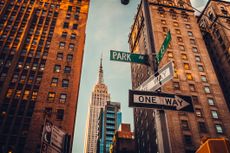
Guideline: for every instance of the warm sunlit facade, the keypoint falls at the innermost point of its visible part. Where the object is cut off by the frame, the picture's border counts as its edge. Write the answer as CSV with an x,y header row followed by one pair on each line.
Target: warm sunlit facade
x,y
215,26
99,99
194,76
41,52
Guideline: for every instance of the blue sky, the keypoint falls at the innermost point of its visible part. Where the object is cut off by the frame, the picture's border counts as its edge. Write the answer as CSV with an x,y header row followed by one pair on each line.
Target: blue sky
x,y
108,26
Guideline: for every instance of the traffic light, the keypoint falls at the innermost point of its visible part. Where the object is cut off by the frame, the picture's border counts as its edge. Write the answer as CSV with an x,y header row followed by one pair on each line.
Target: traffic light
x,y
125,2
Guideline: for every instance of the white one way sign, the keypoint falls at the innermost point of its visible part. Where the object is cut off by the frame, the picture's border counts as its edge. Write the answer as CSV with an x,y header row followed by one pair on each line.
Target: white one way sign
x,y
160,100
155,81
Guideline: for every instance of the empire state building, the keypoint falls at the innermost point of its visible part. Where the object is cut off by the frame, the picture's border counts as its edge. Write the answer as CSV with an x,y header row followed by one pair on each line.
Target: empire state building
x,y
98,100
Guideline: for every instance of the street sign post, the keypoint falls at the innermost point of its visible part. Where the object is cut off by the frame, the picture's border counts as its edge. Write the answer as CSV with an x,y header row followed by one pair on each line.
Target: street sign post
x,y
128,57
160,100
157,80
164,47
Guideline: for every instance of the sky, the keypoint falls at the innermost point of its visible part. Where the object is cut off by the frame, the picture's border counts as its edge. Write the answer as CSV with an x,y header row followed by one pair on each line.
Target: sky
x,y
108,26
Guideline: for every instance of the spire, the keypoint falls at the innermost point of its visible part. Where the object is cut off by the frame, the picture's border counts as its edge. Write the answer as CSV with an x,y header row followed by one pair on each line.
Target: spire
x,y
101,79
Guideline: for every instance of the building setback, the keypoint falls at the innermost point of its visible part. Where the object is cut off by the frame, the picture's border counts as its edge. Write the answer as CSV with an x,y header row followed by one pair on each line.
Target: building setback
x,y
123,140
194,76
215,26
99,99
41,52
109,121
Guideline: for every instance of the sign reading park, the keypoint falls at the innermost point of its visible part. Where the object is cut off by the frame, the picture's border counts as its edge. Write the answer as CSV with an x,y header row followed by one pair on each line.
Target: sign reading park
x,y
164,47
160,100
128,57
158,79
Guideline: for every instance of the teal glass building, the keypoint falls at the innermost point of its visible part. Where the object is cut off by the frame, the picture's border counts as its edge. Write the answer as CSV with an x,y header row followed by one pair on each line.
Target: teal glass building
x,y
109,121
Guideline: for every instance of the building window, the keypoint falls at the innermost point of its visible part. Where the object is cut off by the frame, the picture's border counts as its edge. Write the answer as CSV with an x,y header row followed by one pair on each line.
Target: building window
x,y
54,82
67,69
200,68
188,26
181,47
76,17
179,39
60,114
198,112
70,8
170,55
15,78
65,83
211,101
194,49
184,125
203,78
188,139
195,99
26,95
192,87
197,58
165,29
178,32
63,98
214,114
57,68
9,93
186,66
34,95
66,25
69,57
75,26
175,24
73,36
68,15
192,41
163,22
62,45
51,96
184,57
78,9
18,94
189,76
202,127
219,128
207,89
48,111
176,86
71,46
64,34
59,56
190,34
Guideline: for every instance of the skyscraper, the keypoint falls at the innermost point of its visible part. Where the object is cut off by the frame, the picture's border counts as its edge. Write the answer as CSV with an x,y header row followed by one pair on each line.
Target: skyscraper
x,y
109,121
41,52
194,76
215,26
100,96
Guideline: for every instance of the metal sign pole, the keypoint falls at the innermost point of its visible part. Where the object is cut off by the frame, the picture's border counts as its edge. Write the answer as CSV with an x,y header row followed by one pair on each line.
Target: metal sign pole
x,y
160,116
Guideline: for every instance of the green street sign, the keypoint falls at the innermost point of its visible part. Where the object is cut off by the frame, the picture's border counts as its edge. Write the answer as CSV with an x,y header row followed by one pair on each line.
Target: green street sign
x,y
164,47
128,57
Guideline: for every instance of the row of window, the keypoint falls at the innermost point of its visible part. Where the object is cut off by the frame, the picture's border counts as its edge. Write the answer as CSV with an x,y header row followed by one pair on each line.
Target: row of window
x,y
72,35
63,44
66,25
54,82
57,68
25,95
52,95
60,56
59,113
